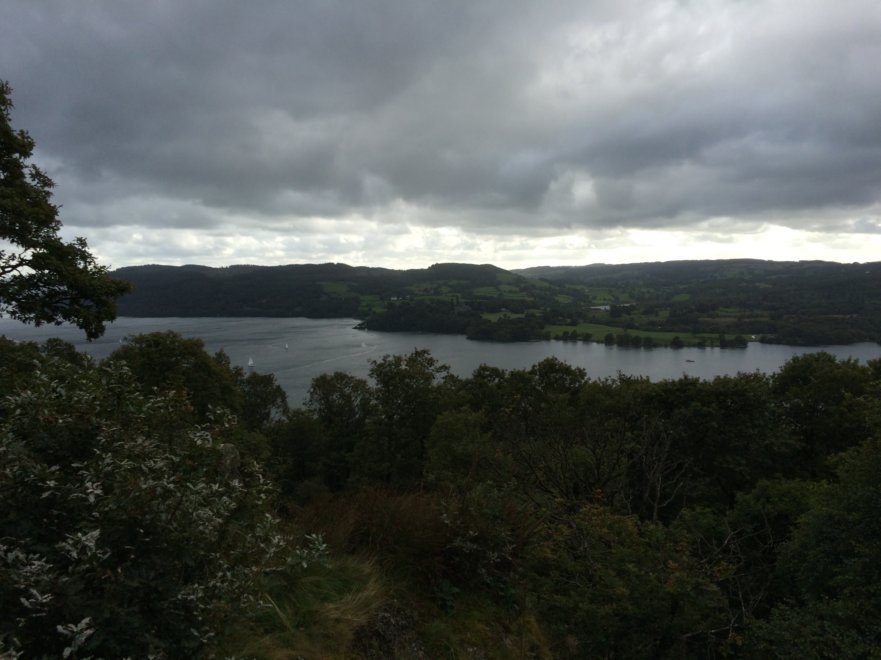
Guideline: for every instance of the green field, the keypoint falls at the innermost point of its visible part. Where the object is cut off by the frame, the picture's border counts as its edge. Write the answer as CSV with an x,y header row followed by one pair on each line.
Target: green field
x,y
598,332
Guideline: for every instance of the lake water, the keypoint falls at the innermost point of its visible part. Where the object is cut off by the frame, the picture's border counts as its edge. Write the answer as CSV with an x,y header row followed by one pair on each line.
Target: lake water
x,y
316,346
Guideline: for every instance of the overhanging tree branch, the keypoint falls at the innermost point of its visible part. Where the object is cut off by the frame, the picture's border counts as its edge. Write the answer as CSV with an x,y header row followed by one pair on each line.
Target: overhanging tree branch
x,y
44,280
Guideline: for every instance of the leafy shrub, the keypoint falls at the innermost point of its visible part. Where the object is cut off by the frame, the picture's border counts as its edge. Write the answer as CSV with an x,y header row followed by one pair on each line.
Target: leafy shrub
x,y
124,528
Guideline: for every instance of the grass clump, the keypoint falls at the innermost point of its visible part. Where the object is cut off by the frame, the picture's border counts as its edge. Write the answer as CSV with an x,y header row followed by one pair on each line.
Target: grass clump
x,y
311,612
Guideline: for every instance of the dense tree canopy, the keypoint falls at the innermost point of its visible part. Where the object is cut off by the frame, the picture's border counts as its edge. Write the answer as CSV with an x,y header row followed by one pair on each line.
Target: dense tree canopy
x,y
683,518
44,279
537,511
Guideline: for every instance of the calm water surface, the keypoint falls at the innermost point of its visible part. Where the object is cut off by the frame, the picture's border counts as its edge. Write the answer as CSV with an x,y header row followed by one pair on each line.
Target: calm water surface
x,y
325,345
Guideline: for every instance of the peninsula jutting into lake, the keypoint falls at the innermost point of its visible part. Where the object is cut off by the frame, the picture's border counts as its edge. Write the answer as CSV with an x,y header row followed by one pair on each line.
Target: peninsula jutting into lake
x,y
679,303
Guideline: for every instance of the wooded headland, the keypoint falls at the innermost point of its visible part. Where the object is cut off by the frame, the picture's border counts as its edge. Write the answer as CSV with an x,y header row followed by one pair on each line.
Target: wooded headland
x,y
697,303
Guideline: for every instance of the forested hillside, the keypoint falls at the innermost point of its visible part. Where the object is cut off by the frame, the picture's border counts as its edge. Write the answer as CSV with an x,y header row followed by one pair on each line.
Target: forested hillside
x,y
699,303
803,303
165,503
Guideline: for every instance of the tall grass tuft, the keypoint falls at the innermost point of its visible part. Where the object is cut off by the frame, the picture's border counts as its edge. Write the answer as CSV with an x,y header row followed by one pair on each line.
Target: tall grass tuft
x,y
311,612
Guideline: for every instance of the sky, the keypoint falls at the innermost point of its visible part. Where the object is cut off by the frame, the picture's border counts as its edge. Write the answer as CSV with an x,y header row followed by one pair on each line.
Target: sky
x,y
402,133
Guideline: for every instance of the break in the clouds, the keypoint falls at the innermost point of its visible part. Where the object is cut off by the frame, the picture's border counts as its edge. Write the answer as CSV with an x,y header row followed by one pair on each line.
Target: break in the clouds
x,y
400,133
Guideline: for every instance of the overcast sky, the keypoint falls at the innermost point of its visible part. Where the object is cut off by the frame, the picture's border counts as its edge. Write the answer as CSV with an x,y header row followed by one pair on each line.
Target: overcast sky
x,y
405,132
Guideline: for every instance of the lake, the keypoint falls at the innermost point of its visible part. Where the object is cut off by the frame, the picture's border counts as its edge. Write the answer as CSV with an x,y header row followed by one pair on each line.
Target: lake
x,y
297,349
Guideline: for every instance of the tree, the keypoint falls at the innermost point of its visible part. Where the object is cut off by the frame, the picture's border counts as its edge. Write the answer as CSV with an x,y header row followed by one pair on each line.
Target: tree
x,y
832,568
42,278
343,405
166,361
264,402
409,394
827,403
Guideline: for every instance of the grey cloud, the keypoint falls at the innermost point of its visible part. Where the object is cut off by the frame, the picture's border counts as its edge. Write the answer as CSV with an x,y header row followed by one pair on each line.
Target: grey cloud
x,y
487,113
867,225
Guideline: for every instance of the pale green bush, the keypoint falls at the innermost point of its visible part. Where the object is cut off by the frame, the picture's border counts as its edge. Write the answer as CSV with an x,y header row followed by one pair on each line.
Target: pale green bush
x,y
125,530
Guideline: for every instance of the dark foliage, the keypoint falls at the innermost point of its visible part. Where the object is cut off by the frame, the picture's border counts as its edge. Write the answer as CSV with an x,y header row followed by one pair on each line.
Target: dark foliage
x,y
725,302
643,519
42,278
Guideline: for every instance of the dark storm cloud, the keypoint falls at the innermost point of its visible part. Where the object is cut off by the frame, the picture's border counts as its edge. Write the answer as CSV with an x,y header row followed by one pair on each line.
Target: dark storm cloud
x,y
219,103
568,114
